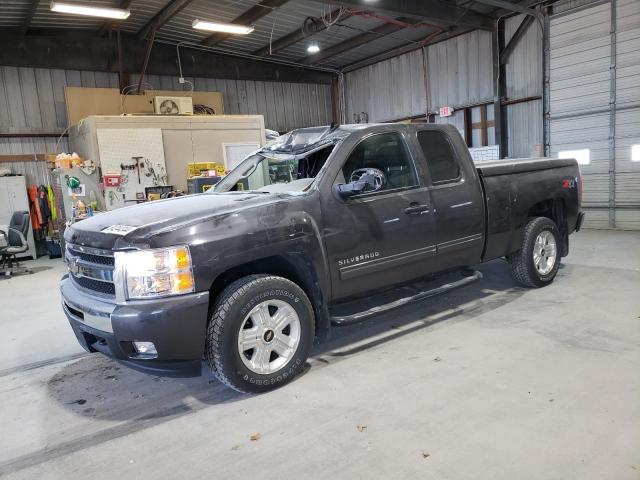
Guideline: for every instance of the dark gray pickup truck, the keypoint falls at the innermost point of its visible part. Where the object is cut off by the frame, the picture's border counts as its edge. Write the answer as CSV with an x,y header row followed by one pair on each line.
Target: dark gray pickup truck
x,y
304,234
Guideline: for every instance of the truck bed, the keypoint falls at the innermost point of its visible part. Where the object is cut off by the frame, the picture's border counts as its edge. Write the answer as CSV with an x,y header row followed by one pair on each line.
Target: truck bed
x,y
519,165
517,189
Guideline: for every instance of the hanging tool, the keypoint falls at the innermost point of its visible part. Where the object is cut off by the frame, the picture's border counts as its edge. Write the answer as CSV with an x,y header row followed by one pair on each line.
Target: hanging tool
x,y
137,159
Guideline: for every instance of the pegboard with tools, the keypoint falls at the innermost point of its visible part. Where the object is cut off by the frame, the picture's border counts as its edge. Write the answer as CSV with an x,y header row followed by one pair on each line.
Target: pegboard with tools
x,y
130,161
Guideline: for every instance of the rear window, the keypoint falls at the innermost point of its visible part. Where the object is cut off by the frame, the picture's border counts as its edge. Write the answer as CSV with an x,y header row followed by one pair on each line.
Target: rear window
x,y
440,157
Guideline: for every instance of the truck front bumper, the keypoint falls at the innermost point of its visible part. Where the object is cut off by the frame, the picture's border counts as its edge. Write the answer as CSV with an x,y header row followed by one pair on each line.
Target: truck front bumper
x,y
175,325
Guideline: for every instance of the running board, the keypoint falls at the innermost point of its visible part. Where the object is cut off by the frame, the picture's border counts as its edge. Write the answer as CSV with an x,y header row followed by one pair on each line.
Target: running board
x,y
447,287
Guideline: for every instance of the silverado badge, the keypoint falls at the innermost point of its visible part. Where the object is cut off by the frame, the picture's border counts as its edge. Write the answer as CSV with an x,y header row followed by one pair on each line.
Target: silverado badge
x,y
358,258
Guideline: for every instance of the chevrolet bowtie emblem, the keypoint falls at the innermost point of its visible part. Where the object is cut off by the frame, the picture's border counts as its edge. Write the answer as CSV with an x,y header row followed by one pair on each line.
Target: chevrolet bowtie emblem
x,y
74,268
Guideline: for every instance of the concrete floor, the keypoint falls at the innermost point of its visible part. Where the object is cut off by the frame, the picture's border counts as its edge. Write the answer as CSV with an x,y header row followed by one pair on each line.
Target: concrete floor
x,y
490,382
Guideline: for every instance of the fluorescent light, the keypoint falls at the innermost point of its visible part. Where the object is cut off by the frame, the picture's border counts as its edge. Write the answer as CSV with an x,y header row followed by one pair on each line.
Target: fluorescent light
x,y
582,155
221,27
635,153
77,9
313,48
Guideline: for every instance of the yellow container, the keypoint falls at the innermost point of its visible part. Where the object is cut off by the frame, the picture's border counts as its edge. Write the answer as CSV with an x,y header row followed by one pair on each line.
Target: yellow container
x,y
199,168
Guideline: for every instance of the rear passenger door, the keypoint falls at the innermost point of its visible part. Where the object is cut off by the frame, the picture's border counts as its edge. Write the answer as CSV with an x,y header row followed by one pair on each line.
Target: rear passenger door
x,y
456,195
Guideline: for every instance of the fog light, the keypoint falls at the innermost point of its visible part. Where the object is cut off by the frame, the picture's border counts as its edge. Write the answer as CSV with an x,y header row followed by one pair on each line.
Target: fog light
x,y
145,348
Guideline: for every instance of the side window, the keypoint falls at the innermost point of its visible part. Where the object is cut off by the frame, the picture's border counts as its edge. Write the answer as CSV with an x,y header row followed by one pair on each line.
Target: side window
x,y
440,156
385,152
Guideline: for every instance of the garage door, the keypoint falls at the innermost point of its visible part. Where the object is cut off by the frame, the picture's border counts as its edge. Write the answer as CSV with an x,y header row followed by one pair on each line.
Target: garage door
x,y
594,106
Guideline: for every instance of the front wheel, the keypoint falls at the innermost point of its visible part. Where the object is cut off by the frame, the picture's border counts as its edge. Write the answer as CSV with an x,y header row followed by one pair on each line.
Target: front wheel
x,y
260,334
536,263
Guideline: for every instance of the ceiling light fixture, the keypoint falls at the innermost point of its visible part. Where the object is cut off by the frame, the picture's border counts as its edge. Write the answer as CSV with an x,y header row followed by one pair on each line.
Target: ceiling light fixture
x,y
79,9
221,27
314,48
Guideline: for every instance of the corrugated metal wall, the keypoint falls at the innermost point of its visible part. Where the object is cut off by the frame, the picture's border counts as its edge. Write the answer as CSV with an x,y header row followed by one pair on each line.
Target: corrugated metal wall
x,y
32,100
388,90
524,80
459,74
595,104
580,51
460,71
36,172
627,126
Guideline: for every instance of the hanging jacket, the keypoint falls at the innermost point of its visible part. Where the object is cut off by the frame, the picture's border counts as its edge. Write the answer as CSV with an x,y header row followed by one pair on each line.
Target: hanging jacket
x,y
52,203
43,201
34,207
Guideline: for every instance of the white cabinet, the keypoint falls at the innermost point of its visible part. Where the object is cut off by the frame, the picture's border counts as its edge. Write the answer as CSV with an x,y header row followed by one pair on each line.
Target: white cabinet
x,y
13,198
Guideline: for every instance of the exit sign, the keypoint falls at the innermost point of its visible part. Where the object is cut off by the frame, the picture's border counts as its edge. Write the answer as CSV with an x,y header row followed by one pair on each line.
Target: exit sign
x,y
446,111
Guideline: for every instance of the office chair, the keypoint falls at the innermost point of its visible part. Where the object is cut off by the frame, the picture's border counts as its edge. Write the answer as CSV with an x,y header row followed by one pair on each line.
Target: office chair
x,y
15,236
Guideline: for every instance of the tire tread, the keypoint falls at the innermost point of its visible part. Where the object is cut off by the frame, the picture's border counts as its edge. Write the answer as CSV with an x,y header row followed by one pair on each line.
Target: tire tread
x,y
521,267
215,344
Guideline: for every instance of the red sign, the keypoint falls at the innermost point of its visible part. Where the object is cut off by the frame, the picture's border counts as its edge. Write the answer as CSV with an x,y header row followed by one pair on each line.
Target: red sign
x,y
446,111
111,180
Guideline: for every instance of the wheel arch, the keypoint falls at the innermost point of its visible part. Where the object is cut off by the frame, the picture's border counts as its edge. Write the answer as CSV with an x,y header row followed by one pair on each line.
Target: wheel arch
x,y
294,267
555,209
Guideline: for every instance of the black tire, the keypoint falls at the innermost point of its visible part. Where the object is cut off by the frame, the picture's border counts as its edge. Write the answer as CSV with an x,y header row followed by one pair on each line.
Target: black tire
x,y
231,309
522,263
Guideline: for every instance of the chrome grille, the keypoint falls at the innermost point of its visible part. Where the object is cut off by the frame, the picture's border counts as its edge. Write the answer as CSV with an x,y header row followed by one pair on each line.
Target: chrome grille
x,y
105,288
89,257
91,268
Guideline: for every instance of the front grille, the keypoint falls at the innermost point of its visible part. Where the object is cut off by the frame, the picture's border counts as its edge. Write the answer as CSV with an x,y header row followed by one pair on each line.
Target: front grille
x,y
88,257
91,268
105,288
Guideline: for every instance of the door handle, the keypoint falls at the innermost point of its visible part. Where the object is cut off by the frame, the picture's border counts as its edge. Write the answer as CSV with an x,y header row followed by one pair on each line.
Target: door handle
x,y
416,209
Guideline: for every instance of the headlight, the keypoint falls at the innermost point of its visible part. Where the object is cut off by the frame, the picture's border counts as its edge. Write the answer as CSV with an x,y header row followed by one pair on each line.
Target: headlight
x,y
155,272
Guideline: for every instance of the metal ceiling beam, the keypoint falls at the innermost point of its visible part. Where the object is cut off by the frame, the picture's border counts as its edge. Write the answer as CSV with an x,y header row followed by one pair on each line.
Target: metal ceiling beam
x,y
512,7
515,39
162,17
108,25
82,50
307,30
147,56
255,13
30,13
351,43
435,12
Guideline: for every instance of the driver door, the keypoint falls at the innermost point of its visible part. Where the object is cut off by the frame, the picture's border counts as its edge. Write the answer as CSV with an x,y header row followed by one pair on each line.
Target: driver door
x,y
380,238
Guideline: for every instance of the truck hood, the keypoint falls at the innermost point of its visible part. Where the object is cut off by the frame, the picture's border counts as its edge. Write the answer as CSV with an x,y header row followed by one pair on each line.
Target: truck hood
x,y
134,225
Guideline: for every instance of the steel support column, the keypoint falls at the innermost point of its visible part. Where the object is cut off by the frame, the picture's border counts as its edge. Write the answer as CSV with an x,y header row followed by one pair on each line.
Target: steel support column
x,y
147,55
546,73
499,88
612,119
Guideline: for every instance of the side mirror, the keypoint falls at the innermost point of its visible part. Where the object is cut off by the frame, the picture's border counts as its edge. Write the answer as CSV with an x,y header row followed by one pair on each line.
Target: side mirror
x,y
366,183
347,190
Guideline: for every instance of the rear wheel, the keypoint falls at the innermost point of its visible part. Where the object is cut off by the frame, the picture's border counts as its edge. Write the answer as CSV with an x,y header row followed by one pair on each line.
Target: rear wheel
x,y
536,263
260,334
